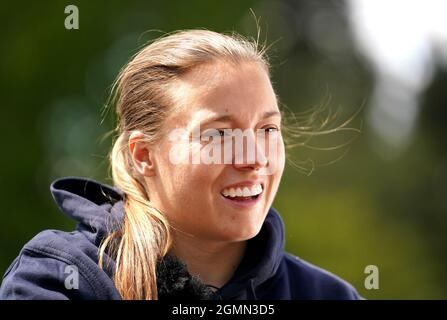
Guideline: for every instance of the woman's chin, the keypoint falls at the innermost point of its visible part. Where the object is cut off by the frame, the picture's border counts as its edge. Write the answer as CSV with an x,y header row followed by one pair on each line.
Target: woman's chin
x,y
238,226
240,232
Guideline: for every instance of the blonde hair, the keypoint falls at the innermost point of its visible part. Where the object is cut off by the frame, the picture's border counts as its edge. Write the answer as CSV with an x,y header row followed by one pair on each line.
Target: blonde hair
x,y
142,100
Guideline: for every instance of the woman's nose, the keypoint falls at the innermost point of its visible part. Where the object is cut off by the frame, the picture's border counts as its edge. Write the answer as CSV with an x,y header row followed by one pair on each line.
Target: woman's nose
x,y
251,155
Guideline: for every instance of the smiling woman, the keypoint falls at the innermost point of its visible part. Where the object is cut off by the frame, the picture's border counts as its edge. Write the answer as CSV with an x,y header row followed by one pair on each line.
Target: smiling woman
x,y
180,229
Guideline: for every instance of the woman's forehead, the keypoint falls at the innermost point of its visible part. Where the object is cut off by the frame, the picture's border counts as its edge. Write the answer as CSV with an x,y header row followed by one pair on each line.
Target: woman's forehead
x,y
232,95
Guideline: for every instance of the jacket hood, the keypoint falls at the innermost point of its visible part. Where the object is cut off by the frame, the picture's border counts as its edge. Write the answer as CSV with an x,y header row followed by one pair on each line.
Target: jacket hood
x,y
98,209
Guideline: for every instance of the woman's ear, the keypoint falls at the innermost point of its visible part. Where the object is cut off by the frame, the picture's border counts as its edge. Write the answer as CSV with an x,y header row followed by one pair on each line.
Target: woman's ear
x,y
141,154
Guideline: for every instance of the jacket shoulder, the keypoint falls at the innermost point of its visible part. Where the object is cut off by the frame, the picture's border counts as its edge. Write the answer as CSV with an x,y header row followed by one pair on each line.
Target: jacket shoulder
x,y
311,282
55,265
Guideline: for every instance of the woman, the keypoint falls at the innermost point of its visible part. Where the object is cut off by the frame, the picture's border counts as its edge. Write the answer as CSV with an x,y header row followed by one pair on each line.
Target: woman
x,y
190,215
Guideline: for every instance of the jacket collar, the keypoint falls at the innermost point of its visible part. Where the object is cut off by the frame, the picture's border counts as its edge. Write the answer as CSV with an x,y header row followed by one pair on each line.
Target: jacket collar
x,y
95,206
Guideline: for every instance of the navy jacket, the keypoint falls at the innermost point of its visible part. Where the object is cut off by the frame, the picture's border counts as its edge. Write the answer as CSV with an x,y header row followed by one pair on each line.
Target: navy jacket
x,y
48,260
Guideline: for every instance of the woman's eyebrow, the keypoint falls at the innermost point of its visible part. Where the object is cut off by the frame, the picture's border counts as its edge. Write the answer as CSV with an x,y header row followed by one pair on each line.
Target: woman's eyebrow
x,y
273,113
229,118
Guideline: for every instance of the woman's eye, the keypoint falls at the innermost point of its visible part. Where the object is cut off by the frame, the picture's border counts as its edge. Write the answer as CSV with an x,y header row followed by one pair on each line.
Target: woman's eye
x,y
270,129
214,133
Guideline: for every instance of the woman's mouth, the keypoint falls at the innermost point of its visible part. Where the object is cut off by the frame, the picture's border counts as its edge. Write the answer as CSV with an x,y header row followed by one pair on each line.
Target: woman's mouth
x,y
243,195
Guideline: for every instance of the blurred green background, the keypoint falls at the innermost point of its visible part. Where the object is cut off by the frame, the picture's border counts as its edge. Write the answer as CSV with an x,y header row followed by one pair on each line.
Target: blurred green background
x,y
383,199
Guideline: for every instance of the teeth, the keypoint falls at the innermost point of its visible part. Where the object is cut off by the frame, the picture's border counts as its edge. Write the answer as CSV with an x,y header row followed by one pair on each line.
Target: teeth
x,y
257,189
242,192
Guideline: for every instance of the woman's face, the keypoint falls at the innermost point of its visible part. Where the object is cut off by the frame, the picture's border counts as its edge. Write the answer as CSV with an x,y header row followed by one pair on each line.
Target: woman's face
x,y
196,194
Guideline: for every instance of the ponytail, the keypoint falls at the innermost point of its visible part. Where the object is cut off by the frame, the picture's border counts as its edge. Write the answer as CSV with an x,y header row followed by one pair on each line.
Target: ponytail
x,y
144,237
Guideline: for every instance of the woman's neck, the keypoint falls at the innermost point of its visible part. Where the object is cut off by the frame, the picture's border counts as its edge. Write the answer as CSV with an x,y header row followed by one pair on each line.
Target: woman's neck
x,y
213,262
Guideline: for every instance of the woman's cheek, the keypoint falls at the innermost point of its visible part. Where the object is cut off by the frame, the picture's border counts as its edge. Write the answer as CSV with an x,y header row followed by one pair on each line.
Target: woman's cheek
x,y
276,159
282,160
